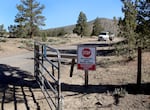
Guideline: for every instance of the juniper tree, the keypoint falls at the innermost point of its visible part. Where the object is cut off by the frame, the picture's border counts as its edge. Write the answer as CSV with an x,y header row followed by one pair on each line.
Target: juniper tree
x,y
97,28
81,26
2,30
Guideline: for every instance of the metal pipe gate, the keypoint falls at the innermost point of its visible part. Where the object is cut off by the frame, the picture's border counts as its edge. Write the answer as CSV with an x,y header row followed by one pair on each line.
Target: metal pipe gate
x,y
47,74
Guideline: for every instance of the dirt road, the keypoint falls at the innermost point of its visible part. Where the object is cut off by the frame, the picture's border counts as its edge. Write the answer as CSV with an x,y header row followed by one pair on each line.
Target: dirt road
x,y
23,61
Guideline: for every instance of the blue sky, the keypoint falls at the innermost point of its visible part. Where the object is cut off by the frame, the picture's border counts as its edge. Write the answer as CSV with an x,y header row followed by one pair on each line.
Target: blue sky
x,y
64,12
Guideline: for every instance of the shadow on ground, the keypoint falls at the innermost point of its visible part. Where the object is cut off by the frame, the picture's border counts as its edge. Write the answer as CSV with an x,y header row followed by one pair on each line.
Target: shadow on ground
x,y
130,88
14,83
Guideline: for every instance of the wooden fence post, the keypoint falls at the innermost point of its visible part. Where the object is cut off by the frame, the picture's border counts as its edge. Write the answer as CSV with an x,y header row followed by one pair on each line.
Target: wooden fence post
x,y
139,66
72,67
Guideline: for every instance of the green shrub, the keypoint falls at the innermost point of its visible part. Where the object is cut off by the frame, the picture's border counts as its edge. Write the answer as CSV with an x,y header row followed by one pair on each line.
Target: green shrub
x,y
120,92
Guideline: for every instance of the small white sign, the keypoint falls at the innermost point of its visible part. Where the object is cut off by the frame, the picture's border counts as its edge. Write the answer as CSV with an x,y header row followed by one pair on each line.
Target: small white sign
x,y
44,51
86,58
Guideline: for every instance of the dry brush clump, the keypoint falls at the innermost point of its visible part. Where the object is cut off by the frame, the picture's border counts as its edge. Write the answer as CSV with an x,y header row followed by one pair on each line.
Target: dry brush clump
x,y
27,44
3,40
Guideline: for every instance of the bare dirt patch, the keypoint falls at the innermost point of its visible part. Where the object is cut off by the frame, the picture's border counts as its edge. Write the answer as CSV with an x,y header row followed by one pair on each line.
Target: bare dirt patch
x,y
11,47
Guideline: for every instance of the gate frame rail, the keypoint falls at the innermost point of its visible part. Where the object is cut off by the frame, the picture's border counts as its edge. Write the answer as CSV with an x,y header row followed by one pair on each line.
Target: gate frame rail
x,y
40,56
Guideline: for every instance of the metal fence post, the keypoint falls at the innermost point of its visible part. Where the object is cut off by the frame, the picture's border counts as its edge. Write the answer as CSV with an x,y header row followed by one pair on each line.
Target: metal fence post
x,y
36,59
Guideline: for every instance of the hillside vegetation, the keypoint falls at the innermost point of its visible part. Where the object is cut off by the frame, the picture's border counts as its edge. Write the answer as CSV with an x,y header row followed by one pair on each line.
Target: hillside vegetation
x,y
107,25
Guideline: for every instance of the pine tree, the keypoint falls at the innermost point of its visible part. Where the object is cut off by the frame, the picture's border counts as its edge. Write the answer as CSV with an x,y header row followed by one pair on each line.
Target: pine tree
x,y
143,20
81,26
29,16
128,25
97,28
20,19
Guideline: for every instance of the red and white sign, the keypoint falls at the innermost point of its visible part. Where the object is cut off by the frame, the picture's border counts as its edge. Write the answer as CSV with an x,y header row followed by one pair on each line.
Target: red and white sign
x,y
86,52
86,58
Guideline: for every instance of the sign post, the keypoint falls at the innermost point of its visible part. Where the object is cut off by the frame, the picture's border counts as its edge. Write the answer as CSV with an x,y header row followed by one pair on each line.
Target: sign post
x,y
86,60
86,78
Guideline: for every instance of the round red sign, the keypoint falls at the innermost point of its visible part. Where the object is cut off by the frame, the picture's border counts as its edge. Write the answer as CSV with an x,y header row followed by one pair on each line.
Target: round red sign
x,y
86,52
